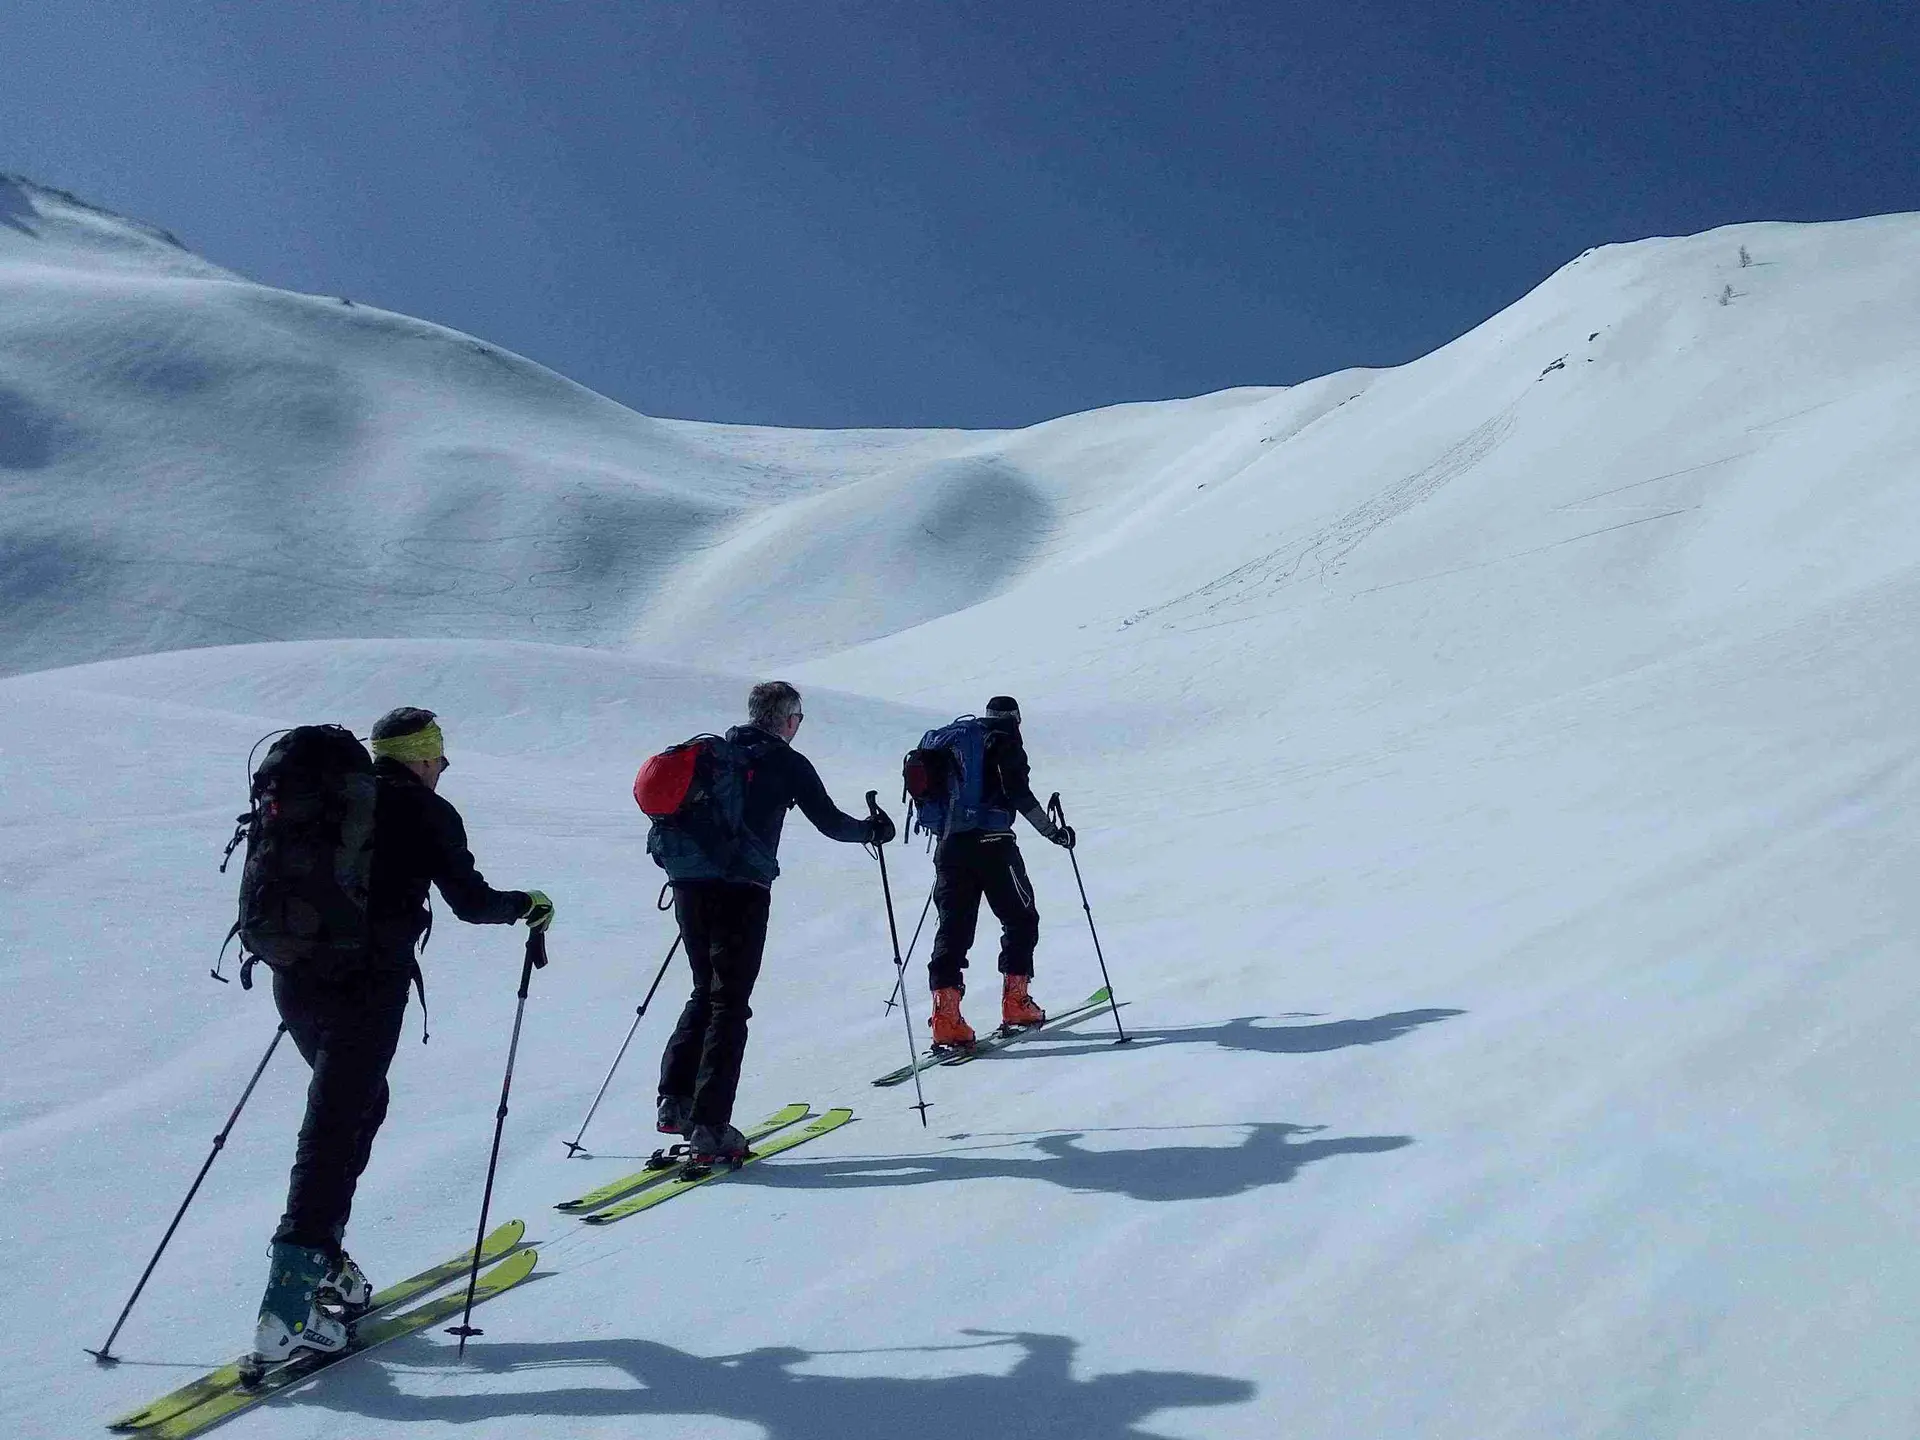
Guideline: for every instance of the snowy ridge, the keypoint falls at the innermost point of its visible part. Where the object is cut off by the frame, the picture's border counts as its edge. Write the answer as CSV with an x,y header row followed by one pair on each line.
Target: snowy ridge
x,y
1495,778
43,226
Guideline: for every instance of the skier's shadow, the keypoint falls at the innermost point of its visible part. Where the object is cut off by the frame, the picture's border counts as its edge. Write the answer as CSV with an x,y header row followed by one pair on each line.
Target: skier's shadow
x,y
1267,1155
1242,1033
768,1389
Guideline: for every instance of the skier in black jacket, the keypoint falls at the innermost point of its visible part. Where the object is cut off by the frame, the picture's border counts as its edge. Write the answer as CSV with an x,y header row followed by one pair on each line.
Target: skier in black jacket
x,y
347,1030
723,923
986,862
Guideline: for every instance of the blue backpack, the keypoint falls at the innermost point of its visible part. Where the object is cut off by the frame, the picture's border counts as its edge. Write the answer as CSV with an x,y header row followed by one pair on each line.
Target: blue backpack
x,y
945,777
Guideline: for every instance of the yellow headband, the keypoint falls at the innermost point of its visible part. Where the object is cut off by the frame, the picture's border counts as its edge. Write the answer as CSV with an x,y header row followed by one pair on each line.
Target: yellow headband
x,y
427,744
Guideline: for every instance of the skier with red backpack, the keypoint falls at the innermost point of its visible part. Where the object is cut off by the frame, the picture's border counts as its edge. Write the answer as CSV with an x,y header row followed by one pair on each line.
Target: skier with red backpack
x,y
718,805
967,781
340,851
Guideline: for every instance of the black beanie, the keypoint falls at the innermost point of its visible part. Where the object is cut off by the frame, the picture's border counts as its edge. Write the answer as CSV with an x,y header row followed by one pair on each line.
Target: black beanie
x,y
406,720
1004,706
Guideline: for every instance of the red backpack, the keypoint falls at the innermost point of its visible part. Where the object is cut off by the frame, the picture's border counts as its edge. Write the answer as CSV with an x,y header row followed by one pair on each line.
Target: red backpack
x,y
661,787
695,793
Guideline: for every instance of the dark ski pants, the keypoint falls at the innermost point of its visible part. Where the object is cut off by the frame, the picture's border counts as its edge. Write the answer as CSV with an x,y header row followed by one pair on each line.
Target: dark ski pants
x,y
966,867
724,927
347,1032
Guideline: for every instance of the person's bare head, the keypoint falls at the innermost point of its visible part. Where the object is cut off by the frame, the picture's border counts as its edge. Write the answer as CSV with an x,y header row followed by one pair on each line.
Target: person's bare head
x,y
774,706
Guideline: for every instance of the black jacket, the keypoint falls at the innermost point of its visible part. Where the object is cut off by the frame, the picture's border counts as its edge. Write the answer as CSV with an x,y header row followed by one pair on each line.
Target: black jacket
x,y
418,839
782,778
1008,783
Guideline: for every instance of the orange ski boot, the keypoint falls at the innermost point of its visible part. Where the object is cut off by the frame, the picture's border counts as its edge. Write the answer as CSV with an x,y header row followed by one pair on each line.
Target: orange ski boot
x,y
1017,1010
950,1029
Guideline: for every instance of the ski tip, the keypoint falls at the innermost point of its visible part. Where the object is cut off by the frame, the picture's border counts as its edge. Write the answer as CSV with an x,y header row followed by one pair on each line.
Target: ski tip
x,y
499,1241
515,1267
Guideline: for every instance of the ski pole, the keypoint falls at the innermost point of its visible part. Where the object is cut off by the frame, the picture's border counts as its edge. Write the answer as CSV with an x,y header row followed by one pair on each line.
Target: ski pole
x,y
900,980
900,967
105,1353
536,958
1060,818
574,1147
912,945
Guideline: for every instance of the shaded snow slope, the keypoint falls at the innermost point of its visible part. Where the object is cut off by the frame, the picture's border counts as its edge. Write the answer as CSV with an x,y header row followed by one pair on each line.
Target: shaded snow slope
x,y
1495,778
191,459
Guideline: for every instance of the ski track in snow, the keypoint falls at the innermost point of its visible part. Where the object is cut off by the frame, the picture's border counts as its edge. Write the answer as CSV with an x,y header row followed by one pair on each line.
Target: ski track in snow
x,y
1323,552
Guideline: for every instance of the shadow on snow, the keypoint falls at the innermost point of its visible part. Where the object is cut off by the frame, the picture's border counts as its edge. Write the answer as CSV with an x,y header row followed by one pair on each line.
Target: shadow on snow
x,y
1268,1155
1242,1033
767,1388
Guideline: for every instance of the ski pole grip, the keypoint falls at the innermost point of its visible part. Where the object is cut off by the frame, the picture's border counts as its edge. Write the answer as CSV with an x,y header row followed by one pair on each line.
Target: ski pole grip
x,y
1054,809
873,803
537,949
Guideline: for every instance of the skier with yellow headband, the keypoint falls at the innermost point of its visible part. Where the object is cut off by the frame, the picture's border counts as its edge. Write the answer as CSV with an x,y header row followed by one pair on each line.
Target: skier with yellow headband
x,y
348,1026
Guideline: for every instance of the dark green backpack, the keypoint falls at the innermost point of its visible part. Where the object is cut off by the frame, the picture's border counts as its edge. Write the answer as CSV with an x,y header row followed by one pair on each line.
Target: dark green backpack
x,y
309,835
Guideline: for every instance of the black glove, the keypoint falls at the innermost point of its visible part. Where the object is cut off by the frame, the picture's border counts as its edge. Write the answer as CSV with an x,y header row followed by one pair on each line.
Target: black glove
x,y
1063,836
880,828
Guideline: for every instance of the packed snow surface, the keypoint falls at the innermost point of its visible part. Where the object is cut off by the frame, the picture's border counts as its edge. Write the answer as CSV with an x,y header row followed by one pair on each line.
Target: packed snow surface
x,y
1495,780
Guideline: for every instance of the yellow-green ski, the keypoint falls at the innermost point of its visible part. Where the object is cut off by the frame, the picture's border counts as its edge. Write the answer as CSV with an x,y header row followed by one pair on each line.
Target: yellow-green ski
x,y
366,1335
196,1392
641,1179
680,1181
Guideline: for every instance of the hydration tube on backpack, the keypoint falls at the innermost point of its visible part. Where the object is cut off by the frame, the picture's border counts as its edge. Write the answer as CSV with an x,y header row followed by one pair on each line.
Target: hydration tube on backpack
x,y
695,793
945,776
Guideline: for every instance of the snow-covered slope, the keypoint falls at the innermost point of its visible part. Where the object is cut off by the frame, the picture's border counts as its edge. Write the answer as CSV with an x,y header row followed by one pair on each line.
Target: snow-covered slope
x,y
1494,775
191,459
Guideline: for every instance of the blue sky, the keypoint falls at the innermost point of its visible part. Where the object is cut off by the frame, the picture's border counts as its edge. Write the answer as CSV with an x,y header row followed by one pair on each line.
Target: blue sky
x,y
977,214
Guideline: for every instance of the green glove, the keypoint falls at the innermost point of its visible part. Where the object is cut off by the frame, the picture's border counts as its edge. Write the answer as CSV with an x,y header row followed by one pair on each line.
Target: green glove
x,y
539,911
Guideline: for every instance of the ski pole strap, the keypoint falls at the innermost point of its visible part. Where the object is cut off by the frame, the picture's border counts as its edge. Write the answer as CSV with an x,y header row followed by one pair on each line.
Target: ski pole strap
x,y
535,959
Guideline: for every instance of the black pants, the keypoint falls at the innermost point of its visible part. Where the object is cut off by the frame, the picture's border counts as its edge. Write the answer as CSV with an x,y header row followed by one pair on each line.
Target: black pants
x,y
966,867
724,928
347,1032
